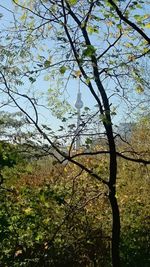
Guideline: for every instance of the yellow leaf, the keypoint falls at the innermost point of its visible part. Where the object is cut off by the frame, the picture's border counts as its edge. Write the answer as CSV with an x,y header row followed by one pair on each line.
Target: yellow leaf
x,y
147,26
77,73
139,89
23,17
65,169
28,211
146,16
72,2
109,23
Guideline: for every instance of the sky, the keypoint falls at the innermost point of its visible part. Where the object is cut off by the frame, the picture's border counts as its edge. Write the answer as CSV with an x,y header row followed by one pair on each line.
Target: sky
x,y
71,94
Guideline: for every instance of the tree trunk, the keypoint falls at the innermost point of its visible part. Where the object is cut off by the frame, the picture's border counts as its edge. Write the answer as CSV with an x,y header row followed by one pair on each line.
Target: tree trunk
x,y
115,230
115,242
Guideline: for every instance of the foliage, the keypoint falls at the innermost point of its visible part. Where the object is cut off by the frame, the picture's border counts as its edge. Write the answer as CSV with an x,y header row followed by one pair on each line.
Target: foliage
x,y
118,48
10,125
9,155
43,222
99,43
134,208
59,216
40,226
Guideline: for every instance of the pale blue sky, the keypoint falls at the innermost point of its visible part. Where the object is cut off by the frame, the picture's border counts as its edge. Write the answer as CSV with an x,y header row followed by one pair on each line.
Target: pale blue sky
x,y
73,84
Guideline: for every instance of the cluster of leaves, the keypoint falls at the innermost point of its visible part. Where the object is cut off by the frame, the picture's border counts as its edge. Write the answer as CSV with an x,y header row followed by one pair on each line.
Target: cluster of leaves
x,y
59,216
43,222
133,191
8,155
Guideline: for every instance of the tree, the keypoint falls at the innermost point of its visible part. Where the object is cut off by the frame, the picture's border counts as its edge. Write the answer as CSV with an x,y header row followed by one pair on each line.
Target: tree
x,y
96,42
10,125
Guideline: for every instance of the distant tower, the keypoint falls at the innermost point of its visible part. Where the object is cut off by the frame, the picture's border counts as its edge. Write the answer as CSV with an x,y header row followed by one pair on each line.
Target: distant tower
x,y
78,105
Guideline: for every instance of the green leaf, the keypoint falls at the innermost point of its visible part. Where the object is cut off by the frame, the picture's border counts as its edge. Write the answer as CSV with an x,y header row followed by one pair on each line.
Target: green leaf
x,y
86,108
113,113
72,126
23,17
64,119
62,69
72,2
92,29
138,18
32,80
88,141
16,1
47,63
89,51
87,81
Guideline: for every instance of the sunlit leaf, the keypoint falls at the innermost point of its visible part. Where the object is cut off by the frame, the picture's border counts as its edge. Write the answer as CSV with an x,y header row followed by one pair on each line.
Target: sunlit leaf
x,y
23,17
147,26
72,2
139,89
92,29
28,211
77,73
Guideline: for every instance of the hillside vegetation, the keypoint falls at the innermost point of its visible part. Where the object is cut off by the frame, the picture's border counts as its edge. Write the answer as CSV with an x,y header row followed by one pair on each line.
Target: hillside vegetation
x,y
54,215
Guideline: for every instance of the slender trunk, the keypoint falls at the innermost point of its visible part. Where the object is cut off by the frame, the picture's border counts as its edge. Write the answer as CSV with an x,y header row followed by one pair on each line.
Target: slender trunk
x,y
115,231
104,108
113,200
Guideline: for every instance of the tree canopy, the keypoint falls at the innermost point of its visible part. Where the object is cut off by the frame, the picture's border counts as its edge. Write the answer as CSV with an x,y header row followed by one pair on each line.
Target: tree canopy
x,y
103,45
